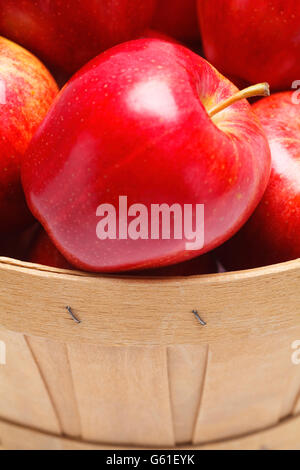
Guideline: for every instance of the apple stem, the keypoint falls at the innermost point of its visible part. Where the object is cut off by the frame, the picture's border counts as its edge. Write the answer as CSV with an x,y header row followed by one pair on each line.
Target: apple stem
x,y
261,89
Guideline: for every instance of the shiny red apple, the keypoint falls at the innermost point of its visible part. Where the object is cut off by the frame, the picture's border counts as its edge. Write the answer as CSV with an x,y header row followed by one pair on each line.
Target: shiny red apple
x,y
68,33
272,235
26,91
178,19
141,122
253,41
44,252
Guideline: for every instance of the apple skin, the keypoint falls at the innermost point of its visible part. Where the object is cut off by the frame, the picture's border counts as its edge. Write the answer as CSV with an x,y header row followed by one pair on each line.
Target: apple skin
x,y
133,122
253,44
44,252
178,19
67,34
153,34
62,77
272,234
204,264
29,90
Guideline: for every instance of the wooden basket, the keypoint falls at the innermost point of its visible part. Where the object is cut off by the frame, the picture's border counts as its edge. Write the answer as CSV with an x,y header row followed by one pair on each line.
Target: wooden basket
x,y
140,370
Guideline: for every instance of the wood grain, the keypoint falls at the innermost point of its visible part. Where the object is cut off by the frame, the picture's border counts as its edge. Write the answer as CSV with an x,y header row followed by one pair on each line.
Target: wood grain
x,y
296,409
23,395
140,369
284,436
292,392
53,362
187,368
249,385
123,394
123,311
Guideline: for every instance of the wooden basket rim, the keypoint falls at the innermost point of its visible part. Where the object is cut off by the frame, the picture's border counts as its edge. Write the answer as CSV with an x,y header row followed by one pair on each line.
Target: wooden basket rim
x,y
37,269
116,310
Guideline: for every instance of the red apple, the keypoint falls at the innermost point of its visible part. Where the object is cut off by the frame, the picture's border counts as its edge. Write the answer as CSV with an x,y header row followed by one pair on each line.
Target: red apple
x,y
272,235
253,41
204,264
153,34
141,121
44,252
178,19
62,77
68,33
26,92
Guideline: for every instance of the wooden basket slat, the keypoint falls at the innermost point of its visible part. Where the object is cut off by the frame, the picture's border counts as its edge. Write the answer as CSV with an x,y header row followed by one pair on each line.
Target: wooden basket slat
x,y
296,409
187,366
292,392
14,437
249,385
285,436
23,396
140,369
52,358
120,311
123,394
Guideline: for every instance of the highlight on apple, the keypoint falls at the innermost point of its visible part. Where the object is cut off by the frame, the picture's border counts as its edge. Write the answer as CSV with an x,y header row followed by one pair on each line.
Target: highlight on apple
x,y
162,222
